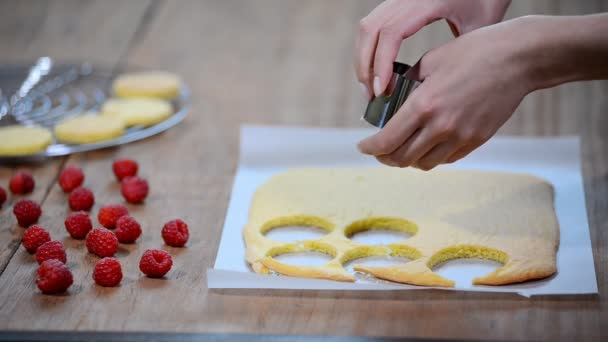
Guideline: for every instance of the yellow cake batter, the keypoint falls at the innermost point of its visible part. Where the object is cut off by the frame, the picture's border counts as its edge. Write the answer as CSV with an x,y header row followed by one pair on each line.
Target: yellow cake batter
x,y
451,214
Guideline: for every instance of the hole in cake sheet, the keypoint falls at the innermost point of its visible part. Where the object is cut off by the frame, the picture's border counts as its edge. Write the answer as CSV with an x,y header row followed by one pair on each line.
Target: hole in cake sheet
x,y
380,230
463,263
379,236
296,228
309,258
295,233
463,271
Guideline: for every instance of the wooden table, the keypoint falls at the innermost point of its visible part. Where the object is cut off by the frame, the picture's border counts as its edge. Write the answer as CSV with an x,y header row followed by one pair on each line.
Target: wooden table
x,y
263,62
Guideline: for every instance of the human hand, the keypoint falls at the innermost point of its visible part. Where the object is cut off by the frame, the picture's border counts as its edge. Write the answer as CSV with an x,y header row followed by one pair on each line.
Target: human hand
x,y
471,87
383,30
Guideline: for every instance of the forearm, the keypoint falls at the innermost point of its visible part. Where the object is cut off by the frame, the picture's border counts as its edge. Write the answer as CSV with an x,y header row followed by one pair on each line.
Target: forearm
x,y
566,49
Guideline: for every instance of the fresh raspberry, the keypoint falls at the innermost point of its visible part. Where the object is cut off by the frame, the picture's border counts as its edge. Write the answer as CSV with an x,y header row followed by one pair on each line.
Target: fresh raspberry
x,y
22,183
107,272
175,233
102,242
2,196
81,199
27,212
51,250
70,178
34,237
54,277
127,229
155,263
109,214
134,189
124,168
78,224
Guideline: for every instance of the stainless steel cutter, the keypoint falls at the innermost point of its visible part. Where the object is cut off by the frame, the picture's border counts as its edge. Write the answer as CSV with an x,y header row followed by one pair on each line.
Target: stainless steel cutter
x,y
382,108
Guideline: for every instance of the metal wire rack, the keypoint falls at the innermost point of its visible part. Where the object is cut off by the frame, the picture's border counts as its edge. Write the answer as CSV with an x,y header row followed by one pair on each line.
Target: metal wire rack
x,y
44,94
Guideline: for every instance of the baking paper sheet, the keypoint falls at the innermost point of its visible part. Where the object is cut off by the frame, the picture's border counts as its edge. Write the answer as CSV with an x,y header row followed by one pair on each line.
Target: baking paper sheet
x,y
265,151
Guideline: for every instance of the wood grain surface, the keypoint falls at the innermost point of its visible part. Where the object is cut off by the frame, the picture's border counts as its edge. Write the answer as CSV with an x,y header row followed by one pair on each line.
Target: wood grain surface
x,y
263,62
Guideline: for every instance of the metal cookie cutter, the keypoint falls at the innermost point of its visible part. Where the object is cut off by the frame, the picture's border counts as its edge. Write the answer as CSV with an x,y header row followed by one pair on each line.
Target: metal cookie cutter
x,y
382,108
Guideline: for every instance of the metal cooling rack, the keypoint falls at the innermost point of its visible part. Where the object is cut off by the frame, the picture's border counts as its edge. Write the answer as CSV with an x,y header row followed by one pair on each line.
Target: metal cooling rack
x,y
44,94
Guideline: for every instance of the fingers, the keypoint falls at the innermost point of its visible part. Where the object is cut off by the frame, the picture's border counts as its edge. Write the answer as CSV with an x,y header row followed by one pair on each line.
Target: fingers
x,y
386,160
365,50
470,142
391,159
461,153
413,149
389,41
437,155
386,53
380,36
394,134
365,47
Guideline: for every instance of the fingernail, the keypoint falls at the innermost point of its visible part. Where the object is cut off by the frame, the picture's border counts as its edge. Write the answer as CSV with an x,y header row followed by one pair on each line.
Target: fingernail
x,y
377,90
364,91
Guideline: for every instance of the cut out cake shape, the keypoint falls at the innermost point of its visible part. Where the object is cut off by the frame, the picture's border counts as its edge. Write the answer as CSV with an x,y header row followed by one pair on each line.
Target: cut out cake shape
x,y
450,214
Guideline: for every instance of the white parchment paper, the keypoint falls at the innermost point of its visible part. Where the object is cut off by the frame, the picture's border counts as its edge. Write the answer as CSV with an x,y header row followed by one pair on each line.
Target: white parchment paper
x,y
265,151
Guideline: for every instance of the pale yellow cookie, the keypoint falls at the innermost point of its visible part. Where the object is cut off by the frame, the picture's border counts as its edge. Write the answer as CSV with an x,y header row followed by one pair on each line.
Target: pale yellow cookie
x,y
160,84
137,111
450,214
19,140
89,128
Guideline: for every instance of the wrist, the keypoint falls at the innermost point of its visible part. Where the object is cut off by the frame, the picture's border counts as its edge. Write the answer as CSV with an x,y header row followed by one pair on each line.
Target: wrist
x,y
542,52
557,50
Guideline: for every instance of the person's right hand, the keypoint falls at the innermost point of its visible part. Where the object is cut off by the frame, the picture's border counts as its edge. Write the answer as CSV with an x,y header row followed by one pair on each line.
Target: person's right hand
x,y
472,85
383,30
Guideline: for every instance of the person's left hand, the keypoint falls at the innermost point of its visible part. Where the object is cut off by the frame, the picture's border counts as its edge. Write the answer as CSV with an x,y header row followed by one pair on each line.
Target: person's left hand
x,y
471,87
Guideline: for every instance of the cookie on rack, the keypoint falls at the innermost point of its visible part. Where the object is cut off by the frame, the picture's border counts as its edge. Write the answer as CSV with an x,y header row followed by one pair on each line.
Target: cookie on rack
x,y
160,84
89,128
137,111
21,140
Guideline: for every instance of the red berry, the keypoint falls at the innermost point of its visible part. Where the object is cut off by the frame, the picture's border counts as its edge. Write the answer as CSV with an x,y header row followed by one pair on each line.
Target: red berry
x,y
54,277
107,272
2,196
175,233
27,212
102,242
70,178
155,263
22,183
78,224
134,189
124,168
34,237
51,250
127,229
109,214
81,199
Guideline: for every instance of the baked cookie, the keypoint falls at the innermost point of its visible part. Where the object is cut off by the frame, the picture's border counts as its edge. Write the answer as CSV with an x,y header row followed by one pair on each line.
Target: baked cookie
x,y
508,218
88,128
137,111
19,140
160,84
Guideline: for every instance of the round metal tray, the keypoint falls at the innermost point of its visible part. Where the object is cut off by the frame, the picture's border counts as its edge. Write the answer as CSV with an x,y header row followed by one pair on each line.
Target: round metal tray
x,y
68,91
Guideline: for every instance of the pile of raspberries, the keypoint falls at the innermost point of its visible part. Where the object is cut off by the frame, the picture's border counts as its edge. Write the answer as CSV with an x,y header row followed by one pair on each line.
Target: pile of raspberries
x,y
117,226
